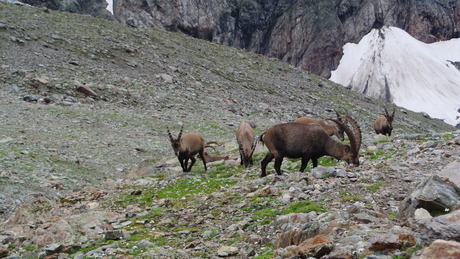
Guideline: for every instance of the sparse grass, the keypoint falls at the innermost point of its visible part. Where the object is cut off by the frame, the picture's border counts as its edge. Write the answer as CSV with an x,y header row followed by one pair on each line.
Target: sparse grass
x,y
366,180
265,255
192,186
376,155
374,187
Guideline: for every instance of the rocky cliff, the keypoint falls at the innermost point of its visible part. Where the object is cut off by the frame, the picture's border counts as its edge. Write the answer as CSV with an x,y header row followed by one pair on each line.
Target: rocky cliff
x,y
306,34
96,8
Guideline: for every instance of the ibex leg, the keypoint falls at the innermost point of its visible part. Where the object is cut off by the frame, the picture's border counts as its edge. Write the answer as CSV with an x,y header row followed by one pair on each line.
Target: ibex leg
x,y
193,160
183,164
264,163
305,163
315,162
278,161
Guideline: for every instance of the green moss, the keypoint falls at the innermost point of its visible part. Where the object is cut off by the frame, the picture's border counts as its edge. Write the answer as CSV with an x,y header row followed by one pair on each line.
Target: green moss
x,y
376,155
265,255
266,215
366,180
374,187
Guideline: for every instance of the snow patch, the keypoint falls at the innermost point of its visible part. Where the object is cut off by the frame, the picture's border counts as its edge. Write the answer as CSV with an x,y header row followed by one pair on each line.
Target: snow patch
x,y
110,6
391,65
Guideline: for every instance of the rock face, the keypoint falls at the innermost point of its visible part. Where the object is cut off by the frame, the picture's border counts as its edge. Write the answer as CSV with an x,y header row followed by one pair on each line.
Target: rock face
x,y
305,34
96,8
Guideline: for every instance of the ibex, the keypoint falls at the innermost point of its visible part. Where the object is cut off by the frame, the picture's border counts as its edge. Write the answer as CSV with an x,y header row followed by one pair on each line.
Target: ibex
x,y
209,158
186,147
246,143
329,128
384,125
309,141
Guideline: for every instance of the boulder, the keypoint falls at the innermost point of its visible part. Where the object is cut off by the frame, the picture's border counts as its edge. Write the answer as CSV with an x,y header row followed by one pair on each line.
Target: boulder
x,y
433,194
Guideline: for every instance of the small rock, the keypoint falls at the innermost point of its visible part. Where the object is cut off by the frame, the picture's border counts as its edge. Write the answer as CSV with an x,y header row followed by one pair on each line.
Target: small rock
x,y
114,235
225,251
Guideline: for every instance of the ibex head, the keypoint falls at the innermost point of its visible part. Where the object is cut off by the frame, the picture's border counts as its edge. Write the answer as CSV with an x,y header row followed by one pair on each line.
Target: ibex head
x,y
175,142
352,152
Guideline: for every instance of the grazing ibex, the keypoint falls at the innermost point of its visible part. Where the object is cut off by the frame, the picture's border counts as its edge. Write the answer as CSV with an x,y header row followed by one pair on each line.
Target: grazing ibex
x,y
209,158
384,125
309,141
186,147
329,128
246,143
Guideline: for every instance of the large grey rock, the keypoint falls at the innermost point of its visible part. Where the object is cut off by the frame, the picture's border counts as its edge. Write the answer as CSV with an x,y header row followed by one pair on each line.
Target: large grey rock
x,y
433,194
445,227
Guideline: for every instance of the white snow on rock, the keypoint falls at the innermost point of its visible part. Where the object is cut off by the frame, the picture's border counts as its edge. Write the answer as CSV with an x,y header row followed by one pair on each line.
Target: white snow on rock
x,y
391,65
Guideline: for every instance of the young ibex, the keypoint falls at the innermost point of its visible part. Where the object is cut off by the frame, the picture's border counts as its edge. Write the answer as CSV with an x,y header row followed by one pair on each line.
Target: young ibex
x,y
246,143
384,125
209,158
186,147
329,128
309,141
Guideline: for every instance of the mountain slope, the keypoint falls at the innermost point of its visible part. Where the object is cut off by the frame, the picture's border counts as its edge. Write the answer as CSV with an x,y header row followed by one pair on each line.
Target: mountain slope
x,y
77,167
389,64
147,79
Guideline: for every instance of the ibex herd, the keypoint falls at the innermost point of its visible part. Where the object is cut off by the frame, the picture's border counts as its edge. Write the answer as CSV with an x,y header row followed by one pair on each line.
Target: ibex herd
x,y
305,138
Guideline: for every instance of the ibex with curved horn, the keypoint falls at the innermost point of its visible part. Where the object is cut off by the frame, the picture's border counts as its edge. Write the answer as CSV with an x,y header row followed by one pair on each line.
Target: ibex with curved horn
x,y
309,141
246,143
331,129
384,125
186,147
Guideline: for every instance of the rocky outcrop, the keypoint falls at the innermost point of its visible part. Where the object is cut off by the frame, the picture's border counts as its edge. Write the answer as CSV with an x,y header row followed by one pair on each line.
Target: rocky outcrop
x,y
96,8
306,34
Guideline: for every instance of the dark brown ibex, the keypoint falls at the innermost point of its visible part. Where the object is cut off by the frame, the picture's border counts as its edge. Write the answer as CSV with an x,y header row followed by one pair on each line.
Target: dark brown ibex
x,y
246,143
186,147
331,129
309,141
384,125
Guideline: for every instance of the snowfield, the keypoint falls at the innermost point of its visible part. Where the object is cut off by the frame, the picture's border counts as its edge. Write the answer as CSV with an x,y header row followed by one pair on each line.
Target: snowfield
x,y
389,64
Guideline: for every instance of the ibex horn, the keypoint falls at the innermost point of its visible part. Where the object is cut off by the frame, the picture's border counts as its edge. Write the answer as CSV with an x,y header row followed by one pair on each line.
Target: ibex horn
x,y
170,135
180,132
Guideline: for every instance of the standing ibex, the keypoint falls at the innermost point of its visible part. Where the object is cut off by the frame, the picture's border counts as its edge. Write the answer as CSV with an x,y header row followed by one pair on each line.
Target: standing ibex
x,y
329,128
246,143
186,147
384,125
309,141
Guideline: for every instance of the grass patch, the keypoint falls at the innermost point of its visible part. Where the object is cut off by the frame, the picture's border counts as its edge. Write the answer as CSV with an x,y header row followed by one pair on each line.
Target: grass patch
x,y
366,180
327,161
374,187
268,254
376,155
